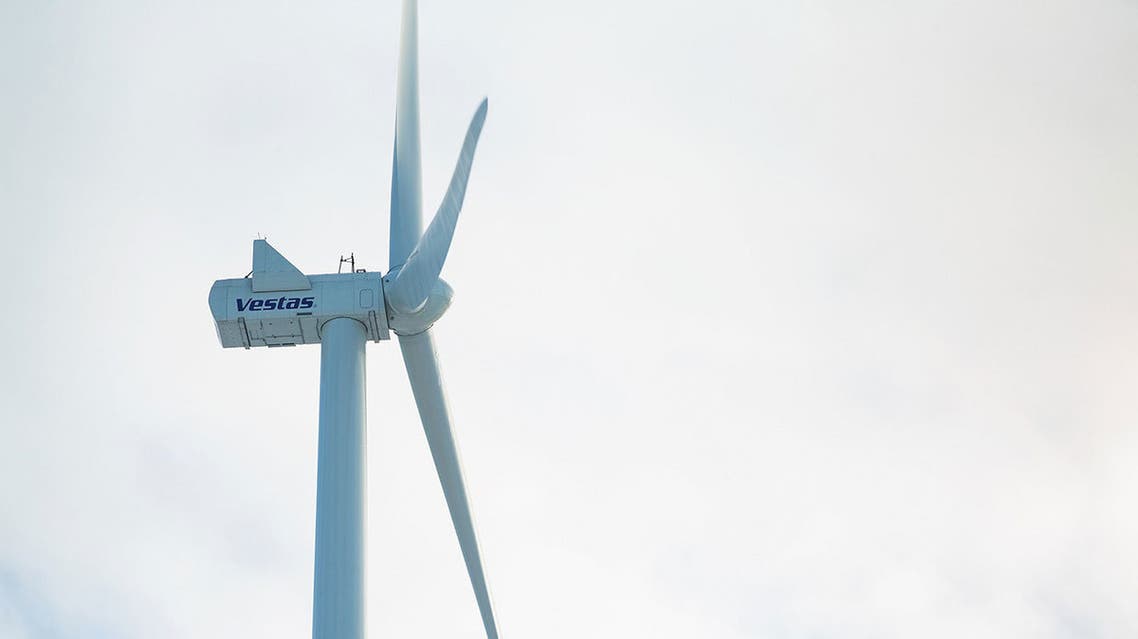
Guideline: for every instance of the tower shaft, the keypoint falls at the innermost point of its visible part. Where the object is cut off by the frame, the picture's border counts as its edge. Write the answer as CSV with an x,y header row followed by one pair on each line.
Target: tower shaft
x,y
341,484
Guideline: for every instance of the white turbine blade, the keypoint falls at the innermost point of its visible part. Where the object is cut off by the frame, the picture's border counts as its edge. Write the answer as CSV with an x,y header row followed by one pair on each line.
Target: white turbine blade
x,y
417,278
423,370
406,174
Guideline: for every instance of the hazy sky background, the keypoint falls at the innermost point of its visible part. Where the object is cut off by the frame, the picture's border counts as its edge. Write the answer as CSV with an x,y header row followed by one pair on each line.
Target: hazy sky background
x,y
779,320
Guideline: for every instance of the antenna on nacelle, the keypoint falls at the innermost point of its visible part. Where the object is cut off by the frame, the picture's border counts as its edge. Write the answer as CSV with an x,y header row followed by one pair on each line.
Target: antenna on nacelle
x,y
350,259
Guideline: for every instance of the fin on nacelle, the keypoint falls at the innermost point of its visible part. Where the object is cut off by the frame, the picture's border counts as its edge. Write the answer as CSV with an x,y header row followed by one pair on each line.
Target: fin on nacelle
x,y
272,272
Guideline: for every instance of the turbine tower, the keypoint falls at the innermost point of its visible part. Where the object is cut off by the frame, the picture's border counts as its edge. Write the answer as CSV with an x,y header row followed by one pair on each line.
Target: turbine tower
x,y
278,305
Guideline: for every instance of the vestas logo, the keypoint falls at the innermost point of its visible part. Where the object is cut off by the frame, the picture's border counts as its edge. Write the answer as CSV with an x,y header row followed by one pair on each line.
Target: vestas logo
x,y
282,303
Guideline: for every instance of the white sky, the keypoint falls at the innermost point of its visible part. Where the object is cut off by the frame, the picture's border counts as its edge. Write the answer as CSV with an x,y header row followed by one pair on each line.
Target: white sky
x,y
780,320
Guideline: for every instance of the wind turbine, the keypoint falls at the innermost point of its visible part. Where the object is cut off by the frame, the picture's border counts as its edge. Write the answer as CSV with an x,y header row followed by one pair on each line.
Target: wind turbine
x,y
278,305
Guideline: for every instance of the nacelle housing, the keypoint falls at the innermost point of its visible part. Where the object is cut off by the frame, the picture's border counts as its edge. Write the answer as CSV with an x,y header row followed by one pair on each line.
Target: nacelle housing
x,y
245,318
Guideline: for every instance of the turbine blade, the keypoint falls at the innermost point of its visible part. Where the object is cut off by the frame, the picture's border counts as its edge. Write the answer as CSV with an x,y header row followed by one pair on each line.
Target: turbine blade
x,y
406,170
420,357
417,278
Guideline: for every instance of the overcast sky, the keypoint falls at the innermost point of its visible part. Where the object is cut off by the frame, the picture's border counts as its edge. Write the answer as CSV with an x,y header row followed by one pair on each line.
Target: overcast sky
x,y
772,319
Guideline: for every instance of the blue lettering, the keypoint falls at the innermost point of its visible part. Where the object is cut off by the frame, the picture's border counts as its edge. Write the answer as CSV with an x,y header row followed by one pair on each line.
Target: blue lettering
x,y
279,304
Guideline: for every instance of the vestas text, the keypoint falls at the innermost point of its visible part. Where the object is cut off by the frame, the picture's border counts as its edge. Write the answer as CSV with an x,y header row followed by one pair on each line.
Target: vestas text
x,y
281,303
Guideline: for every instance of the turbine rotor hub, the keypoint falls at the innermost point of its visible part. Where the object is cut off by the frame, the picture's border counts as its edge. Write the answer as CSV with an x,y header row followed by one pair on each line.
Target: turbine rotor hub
x,y
419,320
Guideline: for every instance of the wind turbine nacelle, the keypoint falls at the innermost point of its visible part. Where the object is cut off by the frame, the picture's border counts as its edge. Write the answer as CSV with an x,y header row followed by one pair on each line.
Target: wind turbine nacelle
x,y
246,317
